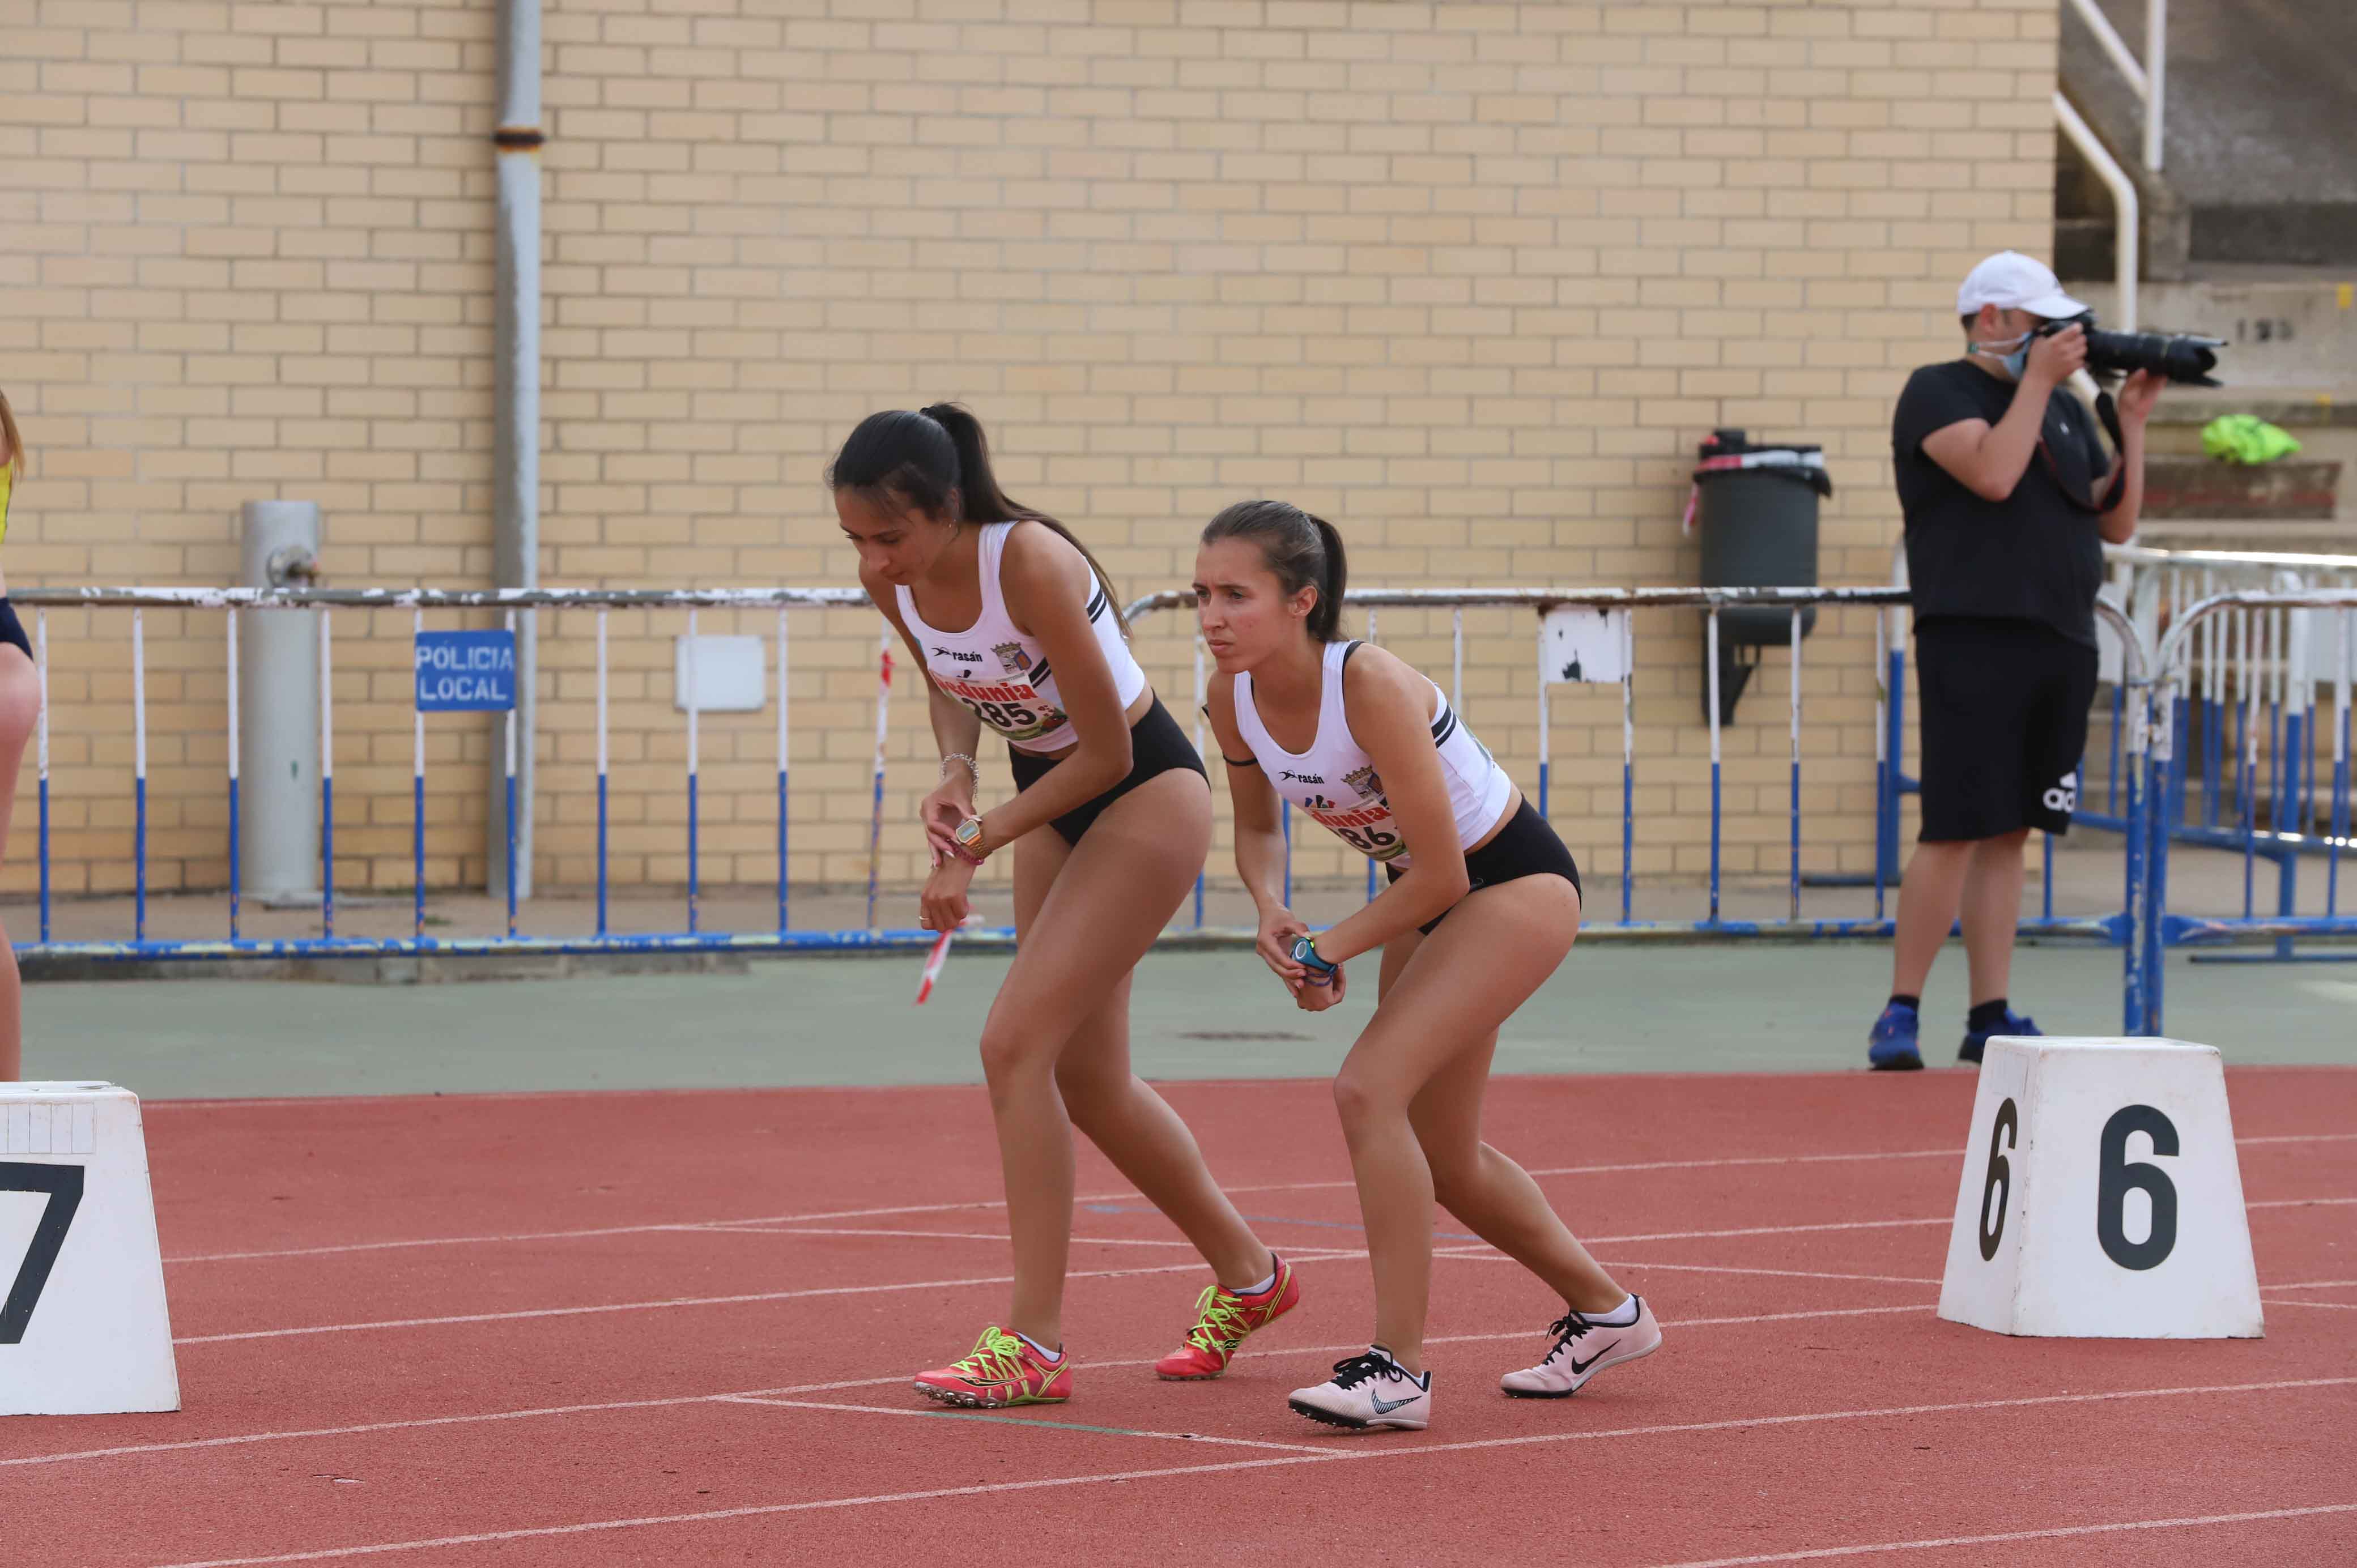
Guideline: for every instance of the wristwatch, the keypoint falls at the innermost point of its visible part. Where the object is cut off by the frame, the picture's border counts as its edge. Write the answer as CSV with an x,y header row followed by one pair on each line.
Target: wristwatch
x,y
967,837
1305,953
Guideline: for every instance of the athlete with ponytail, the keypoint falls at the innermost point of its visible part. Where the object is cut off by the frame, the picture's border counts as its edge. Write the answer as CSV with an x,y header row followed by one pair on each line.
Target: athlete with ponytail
x,y
21,706
1483,904
1016,627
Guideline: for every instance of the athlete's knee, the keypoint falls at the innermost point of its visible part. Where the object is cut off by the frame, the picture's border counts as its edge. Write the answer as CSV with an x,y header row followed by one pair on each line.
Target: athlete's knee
x,y
1363,1101
1011,1053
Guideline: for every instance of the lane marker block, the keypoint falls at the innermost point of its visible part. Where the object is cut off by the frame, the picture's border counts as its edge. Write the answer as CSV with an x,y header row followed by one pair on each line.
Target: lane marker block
x,y
2101,1197
83,1327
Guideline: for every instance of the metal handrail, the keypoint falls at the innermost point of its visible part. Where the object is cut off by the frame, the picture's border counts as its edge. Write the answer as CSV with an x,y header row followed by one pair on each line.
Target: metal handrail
x,y
1548,598
2149,556
2148,78
1545,599
2173,641
442,599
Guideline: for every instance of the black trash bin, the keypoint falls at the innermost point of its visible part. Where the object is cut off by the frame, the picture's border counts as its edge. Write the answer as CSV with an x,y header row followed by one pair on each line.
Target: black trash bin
x,y
1756,508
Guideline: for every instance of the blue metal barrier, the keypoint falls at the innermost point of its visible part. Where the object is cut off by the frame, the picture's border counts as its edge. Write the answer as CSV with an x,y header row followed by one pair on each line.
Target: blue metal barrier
x,y
2117,930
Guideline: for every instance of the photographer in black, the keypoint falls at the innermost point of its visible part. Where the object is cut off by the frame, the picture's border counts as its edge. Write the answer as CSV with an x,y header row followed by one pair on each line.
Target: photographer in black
x,y
2008,496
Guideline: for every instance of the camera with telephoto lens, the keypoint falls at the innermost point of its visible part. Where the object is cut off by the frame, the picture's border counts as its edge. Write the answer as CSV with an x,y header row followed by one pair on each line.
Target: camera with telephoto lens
x,y
2185,359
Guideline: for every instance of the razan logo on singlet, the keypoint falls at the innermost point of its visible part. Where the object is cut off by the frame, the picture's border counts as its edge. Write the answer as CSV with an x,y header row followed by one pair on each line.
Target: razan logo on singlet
x,y
1288,773
1366,782
941,652
1012,657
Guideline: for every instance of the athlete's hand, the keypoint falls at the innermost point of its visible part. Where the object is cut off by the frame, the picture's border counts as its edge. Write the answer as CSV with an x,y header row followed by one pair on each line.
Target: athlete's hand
x,y
950,803
1318,998
943,902
1278,927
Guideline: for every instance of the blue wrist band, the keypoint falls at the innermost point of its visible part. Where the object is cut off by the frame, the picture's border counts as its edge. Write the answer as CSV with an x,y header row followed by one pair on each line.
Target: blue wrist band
x,y
1305,953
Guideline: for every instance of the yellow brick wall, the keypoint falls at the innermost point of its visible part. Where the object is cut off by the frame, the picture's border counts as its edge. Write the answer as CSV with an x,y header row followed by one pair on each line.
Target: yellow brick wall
x,y
1472,280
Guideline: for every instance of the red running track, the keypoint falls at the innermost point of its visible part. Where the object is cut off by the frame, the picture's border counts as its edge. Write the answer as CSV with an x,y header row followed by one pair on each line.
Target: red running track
x,y
676,1328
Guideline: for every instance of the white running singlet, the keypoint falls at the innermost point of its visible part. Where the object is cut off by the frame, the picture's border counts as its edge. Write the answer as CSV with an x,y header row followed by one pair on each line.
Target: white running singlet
x,y
1000,672
1336,783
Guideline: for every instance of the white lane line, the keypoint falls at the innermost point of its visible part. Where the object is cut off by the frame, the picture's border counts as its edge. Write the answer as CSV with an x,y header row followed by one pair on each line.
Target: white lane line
x,y
1296,1255
1302,1254
1340,1454
2313,1284
948,1236
938,1413
695,1225
2055,1534
1777,1273
536,1412
2295,1301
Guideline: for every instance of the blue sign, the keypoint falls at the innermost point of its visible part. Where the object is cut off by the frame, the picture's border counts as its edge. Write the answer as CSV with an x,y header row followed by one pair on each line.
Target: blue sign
x,y
465,671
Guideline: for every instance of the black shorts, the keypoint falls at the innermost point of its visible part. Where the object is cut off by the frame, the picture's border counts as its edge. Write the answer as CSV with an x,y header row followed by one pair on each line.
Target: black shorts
x,y
1526,846
11,628
1157,744
2004,726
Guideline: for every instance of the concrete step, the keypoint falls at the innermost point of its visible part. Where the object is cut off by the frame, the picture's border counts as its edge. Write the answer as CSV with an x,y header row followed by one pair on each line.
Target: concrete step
x,y
2258,162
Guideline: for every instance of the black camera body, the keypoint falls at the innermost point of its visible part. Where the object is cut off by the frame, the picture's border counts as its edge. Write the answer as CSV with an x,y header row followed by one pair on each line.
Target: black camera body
x,y
2185,359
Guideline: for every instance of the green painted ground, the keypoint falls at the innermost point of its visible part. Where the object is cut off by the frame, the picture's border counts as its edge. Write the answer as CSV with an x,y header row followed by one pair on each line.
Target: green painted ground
x,y
1198,1015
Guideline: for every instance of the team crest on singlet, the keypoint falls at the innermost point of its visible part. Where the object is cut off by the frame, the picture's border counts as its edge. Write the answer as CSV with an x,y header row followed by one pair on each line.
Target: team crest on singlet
x,y
1366,782
1012,657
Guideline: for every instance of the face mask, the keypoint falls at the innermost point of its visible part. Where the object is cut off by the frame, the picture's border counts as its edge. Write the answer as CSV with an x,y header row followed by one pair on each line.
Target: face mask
x,y
2016,361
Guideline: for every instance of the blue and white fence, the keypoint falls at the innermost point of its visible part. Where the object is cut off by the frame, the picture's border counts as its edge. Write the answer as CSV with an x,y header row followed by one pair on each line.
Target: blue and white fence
x,y
2193,694
2263,697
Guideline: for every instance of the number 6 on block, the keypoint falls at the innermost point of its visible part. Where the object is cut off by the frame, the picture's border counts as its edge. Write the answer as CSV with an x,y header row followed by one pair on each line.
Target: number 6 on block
x,y
2101,1197
83,1327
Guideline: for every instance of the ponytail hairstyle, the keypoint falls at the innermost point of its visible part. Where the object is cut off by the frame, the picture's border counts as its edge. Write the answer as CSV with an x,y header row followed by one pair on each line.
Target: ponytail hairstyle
x,y
936,460
1304,552
14,442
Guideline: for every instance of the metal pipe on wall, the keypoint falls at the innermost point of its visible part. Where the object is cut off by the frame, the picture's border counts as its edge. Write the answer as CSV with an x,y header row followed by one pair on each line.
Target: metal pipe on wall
x,y
516,475
278,708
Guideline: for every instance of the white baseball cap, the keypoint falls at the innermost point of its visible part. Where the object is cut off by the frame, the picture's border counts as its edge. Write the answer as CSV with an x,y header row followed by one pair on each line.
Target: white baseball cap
x,y
2011,281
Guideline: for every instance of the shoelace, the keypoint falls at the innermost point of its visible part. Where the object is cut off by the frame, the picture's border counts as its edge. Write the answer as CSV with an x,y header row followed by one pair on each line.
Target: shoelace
x,y
997,1356
1220,1324
1566,1329
1352,1371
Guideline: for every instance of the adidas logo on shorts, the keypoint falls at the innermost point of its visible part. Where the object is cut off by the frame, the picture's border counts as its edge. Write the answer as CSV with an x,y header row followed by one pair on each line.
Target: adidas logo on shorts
x,y
2064,797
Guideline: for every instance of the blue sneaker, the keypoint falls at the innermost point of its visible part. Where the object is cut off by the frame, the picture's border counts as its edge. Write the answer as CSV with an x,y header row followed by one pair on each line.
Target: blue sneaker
x,y
1890,1044
1976,1039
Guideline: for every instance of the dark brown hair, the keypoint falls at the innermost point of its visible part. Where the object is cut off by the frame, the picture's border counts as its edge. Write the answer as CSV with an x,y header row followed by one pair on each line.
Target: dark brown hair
x,y
1304,552
936,460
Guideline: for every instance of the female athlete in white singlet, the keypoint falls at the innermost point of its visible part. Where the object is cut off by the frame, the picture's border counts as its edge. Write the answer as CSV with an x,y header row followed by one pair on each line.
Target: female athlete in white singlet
x,y
1483,904
1015,628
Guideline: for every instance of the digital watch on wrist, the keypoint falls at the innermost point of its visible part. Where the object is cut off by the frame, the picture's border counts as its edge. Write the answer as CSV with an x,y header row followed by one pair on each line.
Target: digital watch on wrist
x,y
1305,953
967,838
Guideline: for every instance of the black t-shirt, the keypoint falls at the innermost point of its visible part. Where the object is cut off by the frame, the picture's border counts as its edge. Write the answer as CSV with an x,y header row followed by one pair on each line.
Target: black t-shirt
x,y
2037,554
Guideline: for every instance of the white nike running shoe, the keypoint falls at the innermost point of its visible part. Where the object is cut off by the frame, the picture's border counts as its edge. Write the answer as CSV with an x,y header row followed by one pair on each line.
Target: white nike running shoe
x,y
1584,1347
1368,1390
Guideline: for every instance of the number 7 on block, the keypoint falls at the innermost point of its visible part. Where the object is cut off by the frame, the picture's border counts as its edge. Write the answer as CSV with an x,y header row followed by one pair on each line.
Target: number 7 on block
x,y
63,1185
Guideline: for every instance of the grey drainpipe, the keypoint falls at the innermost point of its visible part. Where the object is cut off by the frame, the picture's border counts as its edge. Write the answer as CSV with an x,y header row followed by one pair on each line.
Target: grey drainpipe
x,y
516,544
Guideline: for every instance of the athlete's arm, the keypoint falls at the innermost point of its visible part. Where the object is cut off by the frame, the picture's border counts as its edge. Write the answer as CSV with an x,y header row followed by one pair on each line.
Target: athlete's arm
x,y
956,728
1389,707
1260,832
1047,587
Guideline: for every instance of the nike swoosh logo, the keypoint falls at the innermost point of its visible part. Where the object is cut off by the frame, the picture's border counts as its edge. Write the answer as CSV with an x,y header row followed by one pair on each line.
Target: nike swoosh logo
x,y
1578,1366
1385,1407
